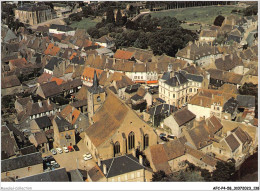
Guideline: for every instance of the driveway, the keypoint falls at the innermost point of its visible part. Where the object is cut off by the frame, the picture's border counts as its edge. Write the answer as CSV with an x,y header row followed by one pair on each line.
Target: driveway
x,y
74,160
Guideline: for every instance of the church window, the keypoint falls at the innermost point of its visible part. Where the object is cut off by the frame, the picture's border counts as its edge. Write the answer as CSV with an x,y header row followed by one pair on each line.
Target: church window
x,y
131,140
146,141
117,148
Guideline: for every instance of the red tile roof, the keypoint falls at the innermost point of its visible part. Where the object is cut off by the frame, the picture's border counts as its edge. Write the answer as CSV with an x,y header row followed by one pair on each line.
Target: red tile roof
x,y
45,77
89,73
52,50
121,54
57,80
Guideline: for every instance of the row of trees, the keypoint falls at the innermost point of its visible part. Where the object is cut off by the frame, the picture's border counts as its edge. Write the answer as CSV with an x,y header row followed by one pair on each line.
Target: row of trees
x,y
162,35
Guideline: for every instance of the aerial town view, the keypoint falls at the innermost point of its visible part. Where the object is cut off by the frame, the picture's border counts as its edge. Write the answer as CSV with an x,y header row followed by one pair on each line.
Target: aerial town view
x,y
129,91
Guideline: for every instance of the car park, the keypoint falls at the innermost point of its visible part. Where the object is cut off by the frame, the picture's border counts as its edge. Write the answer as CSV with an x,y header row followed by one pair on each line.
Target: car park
x,y
65,149
53,151
59,150
76,148
87,156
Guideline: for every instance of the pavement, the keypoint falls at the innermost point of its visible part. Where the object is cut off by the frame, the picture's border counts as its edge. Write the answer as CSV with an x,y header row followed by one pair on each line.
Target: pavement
x,y
73,160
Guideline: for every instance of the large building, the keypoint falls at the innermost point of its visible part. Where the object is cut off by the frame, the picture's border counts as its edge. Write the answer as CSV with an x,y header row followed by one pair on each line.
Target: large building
x,y
177,88
33,14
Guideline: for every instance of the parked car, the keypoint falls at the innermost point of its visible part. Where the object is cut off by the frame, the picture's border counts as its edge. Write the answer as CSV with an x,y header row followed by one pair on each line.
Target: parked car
x,y
59,150
162,135
171,137
76,148
53,151
70,148
65,149
164,139
87,156
55,164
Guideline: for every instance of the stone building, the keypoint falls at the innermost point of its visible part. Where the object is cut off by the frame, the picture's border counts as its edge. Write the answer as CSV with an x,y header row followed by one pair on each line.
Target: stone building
x,y
117,130
33,14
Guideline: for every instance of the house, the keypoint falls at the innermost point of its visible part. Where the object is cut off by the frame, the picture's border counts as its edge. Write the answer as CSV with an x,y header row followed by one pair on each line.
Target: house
x,y
219,77
77,175
9,147
52,50
77,119
10,85
230,109
22,166
40,141
56,175
88,75
235,36
33,14
61,29
208,35
64,132
121,54
230,63
56,67
110,135
126,168
106,41
235,145
159,113
177,90
49,90
198,53
20,103
209,102
179,120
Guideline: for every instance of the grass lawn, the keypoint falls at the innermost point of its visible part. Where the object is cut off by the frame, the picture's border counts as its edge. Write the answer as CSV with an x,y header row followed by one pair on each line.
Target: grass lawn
x,y
85,23
204,15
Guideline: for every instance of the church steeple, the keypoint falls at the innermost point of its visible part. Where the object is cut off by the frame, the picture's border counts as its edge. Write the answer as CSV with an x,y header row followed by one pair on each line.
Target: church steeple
x,y
95,80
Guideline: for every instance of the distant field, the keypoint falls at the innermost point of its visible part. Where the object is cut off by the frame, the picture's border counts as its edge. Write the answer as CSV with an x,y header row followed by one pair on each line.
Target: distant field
x,y
204,15
85,23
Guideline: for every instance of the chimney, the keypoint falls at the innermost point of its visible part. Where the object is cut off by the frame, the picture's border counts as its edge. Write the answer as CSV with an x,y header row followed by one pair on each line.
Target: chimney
x,y
104,169
40,103
99,162
188,52
231,56
141,159
223,56
48,101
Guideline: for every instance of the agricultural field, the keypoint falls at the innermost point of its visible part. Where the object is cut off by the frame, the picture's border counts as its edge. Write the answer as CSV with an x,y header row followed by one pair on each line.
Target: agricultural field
x,y
85,23
203,15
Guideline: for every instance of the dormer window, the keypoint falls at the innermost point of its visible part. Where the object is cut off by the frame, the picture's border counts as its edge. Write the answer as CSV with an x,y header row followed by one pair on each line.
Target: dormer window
x,y
98,99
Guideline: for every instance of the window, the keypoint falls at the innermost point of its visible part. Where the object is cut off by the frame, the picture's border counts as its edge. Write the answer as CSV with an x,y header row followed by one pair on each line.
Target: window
x,y
126,177
173,95
70,133
116,148
131,140
113,180
138,174
146,141
7,173
132,175
29,168
190,89
98,99
119,179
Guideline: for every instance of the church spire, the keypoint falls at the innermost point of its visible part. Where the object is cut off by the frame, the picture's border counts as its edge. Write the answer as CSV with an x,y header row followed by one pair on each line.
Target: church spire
x,y
95,80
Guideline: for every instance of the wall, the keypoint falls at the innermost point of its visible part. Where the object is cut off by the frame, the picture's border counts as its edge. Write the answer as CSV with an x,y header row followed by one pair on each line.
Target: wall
x,y
135,176
199,111
23,172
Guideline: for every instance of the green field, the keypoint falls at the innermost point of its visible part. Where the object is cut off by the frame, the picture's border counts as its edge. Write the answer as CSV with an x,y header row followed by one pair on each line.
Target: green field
x,y
204,15
85,23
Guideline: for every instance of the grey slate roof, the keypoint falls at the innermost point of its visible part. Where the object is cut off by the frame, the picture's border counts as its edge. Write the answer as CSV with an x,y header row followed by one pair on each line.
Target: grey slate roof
x,y
21,162
162,109
166,76
136,97
62,123
61,27
53,62
246,101
43,122
121,165
232,142
177,80
57,175
193,77
230,106
9,36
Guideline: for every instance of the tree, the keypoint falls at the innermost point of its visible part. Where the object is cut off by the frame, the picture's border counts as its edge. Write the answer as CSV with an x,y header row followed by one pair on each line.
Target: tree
x,y
87,11
219,20
110,15
159,176
119,21
206,175
251,10
223,171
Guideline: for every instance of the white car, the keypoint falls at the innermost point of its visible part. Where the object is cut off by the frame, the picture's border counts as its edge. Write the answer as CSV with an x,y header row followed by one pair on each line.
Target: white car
x,y
53,151
65,149
87,156
59,150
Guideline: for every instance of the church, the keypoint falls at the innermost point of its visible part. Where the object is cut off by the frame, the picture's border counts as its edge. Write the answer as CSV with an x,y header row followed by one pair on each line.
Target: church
x,y
116,129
